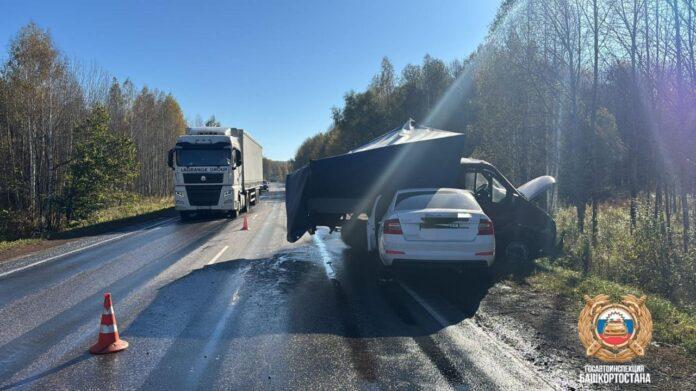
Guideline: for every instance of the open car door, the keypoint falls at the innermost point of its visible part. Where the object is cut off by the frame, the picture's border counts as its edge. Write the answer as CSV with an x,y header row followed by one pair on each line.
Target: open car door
x,y
372,226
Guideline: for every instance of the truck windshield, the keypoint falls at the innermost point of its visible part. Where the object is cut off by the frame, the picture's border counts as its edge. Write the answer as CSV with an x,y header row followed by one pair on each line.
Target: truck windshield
x,y
203,157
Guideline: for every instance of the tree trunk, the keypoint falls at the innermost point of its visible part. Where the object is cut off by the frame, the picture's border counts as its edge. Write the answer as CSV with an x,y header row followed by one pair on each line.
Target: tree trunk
x,y
685,210
656,210
668,216
595,216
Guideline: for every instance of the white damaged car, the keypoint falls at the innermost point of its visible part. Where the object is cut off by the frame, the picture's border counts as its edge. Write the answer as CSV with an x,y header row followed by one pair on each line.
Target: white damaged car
x,y
434,226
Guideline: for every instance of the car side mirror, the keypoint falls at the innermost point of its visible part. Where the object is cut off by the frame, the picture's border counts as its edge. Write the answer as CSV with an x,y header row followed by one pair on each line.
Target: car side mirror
x,y
170,159
237,158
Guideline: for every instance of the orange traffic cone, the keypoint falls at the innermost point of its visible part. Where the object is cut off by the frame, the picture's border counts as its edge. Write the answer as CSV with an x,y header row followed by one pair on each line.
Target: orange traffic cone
x,y
108,341
245,225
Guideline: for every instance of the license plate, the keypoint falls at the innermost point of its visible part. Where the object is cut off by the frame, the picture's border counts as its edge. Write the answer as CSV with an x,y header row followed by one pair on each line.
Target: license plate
x,y
427,225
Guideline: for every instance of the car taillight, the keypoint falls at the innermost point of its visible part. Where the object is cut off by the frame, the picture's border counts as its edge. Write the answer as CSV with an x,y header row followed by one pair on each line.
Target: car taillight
x,y
392,227
485,227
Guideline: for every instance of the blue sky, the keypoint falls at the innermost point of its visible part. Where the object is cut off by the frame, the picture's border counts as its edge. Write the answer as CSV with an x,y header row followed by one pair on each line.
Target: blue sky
x,y
274,68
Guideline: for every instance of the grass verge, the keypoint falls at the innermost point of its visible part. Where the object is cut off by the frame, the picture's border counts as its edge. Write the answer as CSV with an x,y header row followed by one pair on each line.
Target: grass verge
x,y
13,244
130,212
141,206
671,324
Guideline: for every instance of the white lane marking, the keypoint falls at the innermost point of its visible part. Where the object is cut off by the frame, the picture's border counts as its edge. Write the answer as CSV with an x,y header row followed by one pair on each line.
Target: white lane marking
x,y
216,257
325,257
486,363
7,273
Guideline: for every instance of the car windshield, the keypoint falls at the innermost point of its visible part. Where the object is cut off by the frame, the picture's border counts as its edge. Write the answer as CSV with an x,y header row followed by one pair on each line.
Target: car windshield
x,y
203,157
436,200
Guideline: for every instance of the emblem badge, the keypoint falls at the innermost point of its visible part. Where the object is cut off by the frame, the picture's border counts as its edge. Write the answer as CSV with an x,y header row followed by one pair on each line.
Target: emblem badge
x,y
615,332
203,178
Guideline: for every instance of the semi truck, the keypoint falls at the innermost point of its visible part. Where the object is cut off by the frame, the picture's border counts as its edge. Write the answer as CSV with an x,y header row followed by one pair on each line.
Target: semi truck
x,y
216,170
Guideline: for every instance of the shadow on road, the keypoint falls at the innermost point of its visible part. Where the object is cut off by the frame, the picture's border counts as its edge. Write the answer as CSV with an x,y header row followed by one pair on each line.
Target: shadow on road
x,y
297,292
273,196
312,290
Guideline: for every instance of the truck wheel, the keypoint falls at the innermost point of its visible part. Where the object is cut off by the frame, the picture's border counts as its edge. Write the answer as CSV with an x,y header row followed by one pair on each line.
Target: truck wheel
x,y
354,234
232,214
255,200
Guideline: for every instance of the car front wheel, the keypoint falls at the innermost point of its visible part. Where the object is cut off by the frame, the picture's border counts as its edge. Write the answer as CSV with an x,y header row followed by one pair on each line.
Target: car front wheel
x,y
517,251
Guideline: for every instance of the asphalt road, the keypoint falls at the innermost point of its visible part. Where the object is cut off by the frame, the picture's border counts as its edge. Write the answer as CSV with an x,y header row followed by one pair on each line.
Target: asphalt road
x,y
205,305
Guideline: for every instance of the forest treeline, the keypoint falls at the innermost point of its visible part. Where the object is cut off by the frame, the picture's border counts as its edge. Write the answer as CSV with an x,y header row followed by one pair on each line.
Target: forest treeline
x,y
276,170
73,140
600,94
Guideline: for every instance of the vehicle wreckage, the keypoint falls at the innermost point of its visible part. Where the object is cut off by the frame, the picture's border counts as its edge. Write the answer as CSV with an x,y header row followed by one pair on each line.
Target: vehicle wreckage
x,y
344,191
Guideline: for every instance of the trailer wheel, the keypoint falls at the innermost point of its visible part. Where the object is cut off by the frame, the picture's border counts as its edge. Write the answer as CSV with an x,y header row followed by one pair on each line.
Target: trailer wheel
x,y
354,234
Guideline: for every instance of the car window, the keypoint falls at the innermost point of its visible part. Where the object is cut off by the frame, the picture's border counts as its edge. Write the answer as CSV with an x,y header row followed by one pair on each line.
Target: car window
x,y
499,192
436,200
481,180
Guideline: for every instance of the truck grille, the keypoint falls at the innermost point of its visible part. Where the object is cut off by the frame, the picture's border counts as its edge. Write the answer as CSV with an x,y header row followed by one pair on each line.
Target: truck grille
x,y
203,195
198,178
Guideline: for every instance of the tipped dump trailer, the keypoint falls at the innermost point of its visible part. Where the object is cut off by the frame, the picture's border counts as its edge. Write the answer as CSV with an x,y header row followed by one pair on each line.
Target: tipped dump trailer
x,y
325,191
340,192
216,169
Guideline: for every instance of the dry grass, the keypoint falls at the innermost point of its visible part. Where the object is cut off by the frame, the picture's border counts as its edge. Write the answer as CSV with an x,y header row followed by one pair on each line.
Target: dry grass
x,y
134,207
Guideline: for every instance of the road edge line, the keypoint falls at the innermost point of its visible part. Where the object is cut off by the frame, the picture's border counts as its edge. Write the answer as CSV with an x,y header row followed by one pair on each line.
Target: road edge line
x,y
217,256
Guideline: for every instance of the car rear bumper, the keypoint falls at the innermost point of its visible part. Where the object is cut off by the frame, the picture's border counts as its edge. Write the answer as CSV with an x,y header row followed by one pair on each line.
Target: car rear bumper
x,y
467,263
477,252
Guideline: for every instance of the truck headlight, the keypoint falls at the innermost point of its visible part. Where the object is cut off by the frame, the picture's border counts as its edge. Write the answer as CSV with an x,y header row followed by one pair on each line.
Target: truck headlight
x,y
227,193
179,194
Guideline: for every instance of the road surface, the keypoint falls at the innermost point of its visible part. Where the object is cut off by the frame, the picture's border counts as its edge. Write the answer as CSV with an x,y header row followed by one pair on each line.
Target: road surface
x,y
205,305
